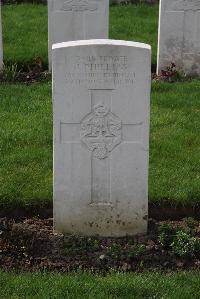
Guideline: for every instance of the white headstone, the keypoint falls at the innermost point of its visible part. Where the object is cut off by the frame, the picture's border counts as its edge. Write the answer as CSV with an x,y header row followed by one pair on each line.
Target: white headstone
x,y
179,35
101,95
1,42
70,20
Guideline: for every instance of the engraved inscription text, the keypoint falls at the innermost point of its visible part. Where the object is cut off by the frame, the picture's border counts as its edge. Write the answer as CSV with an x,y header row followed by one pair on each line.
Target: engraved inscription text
x,y
79,5
100,70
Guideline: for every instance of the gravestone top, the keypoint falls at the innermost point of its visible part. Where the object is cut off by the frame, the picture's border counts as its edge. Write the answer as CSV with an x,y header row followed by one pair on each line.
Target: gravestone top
x,y
101,100
183,5
101,42
179,36
70,20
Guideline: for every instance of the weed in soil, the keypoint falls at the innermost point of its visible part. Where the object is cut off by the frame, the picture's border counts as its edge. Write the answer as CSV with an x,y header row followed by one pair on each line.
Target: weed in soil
x,y
190,222
166,234
30,73
77,245
186,245
31,245
171,75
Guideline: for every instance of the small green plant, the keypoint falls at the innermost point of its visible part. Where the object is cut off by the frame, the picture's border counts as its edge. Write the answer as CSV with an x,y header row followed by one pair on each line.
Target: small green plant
x,y
10,72
165,236
115,250
130,251
185,244
191,222
136,250
75,244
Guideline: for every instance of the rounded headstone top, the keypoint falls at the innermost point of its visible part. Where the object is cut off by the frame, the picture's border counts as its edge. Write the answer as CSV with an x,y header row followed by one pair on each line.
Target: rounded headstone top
x,y
101,42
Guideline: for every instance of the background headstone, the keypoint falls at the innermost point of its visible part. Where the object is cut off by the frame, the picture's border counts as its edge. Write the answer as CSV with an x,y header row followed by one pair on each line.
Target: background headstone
x,y
1,42
70,20
179,35
101,95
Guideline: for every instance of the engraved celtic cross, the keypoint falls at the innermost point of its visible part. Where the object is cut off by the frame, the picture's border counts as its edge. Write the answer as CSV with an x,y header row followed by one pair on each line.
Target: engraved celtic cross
x,y
101,131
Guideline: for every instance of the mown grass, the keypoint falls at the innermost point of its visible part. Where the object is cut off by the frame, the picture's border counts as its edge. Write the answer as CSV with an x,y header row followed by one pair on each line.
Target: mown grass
x,y
25,32
184,285
137,23
174,143
26,143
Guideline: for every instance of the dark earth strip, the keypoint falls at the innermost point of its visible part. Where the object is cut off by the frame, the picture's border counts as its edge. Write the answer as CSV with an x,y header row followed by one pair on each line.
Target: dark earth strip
x,y
33,76
160,212
31,245
124,2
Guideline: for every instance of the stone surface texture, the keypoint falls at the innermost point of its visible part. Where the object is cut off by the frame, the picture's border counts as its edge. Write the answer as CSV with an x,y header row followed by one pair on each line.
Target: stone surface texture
x,y
70,20
179,35
101,98
1,41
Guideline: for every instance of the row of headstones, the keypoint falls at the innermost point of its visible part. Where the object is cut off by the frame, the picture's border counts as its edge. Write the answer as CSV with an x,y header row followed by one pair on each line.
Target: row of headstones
x,y
101,101
179,29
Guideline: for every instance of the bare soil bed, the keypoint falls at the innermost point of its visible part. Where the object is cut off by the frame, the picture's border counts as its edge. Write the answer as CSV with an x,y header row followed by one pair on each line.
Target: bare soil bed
x,y
31,245
157,212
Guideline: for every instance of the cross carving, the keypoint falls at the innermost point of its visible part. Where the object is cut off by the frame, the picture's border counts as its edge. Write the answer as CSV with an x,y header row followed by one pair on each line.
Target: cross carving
x,y
118,134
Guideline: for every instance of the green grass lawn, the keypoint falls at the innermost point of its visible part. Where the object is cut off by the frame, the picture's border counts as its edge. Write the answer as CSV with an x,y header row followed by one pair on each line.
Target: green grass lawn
x,y
26,131
26,154
25,29
175,143
135,22
183,285
26,143
25,33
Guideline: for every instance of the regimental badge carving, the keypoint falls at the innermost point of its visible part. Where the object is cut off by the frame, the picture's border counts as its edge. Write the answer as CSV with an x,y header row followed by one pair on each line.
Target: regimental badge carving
x,y
185,5
101,131
79,5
